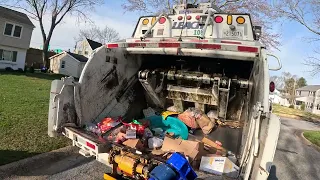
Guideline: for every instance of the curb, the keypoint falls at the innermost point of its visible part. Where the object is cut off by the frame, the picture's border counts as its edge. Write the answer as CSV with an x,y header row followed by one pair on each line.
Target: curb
x,y
308,142
37,160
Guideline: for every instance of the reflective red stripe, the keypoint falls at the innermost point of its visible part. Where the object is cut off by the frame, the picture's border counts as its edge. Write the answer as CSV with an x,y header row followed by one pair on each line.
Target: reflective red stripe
x,y
230,42
169,45
112,45
208,46
92,146
136,45
247,49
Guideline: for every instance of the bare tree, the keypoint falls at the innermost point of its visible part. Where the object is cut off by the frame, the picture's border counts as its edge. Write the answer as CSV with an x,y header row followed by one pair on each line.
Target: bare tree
x,y
261,11
307,14
103,36
56,10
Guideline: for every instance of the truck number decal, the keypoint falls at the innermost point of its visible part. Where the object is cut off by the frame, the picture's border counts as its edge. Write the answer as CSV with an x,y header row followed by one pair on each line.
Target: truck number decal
x,y
198,32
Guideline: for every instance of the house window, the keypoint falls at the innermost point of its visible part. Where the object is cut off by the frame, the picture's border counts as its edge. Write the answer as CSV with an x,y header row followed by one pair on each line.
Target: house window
x,y
8,29
12,30
6,55
63,64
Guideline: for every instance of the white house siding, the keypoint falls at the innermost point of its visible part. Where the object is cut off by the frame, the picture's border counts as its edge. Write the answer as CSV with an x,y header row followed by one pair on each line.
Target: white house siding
x,y
316,107
21,57
80,68
71,65
55,63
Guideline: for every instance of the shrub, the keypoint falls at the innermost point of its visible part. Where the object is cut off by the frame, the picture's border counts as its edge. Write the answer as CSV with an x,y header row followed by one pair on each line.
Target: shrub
x,y
20,70
8,69
303,106
31,69
291,106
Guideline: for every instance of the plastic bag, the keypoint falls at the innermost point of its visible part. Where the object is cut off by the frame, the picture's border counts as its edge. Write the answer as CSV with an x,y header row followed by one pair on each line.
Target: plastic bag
x,y
155,142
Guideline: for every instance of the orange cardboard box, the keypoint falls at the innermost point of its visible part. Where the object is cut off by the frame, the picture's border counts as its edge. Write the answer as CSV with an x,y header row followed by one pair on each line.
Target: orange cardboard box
x,y
192,149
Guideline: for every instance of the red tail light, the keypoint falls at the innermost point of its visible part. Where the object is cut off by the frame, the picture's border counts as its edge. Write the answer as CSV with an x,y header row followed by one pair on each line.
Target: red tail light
x,y
197,17
180,18
162,20
189,17
92,146
272,86
218,19
112,45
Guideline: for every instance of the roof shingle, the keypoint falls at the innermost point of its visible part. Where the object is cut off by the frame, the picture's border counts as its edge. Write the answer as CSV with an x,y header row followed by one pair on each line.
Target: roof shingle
x,y
79,57
15,16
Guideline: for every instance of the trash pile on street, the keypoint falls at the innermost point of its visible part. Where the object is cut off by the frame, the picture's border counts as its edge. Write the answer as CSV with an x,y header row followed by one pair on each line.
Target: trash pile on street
x,y
166,135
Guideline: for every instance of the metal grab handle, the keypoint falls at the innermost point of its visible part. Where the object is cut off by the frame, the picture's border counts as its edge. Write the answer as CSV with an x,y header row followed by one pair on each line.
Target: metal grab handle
x,y
279,62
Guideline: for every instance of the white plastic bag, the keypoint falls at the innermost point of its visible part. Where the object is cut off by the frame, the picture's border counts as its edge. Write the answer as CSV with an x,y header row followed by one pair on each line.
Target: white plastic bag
x,y
155,142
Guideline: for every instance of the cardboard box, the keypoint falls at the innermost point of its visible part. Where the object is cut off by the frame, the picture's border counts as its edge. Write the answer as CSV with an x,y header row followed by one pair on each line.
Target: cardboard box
x,y
133,143
219,149
192,149
219,165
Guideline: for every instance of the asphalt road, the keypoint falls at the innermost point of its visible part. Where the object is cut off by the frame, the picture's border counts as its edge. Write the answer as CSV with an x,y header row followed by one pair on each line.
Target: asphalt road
x,y
293,160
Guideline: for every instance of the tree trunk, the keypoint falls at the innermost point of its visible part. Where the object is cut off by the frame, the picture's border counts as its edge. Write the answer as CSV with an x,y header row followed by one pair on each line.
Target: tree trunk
x,y
45,55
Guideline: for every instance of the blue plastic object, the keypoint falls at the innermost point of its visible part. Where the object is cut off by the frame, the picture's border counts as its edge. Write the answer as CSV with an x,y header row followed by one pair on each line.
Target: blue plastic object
x,y
162,172
170,125
182,166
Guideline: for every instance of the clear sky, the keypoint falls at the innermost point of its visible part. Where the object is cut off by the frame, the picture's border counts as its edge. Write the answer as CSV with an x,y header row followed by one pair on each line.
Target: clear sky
x,y
293,51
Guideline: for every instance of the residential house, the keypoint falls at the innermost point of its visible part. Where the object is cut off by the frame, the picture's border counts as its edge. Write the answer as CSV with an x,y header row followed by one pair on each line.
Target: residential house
x,y
86,47
15,35
277,98
310,96
68,63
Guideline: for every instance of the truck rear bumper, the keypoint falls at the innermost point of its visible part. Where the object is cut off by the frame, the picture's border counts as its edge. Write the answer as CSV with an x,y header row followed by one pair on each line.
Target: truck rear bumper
x,y
89,144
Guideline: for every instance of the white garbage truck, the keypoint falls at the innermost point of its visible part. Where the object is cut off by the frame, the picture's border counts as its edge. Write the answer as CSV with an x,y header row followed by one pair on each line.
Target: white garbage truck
x,y
195,56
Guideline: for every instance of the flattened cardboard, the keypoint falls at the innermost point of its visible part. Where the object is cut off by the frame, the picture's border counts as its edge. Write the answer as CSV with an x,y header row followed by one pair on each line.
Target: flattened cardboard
x,y
133,143
214,145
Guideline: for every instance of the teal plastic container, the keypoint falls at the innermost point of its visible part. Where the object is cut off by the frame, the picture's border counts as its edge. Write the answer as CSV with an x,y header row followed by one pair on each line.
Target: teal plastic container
x,y
170,125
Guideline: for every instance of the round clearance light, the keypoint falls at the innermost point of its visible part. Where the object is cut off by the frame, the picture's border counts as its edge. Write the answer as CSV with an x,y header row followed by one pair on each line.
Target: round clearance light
x,y
218,19
197,17
162,20
153,20
240,20
272,86
145,21
189,17
180,18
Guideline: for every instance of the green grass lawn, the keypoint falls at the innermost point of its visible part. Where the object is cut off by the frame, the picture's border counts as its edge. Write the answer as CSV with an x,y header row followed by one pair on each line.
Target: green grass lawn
x,y
313,136
294,113
24,104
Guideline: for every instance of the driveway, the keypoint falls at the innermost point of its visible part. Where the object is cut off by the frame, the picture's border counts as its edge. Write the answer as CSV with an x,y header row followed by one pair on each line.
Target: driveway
x,y
293,160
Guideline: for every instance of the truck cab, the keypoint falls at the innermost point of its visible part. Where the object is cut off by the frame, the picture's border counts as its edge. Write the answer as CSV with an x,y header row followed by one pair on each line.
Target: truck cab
x,y
196,56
